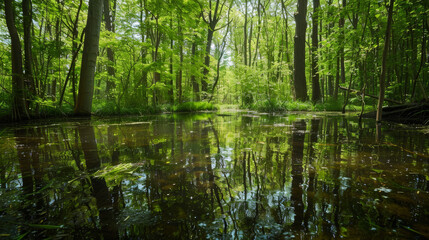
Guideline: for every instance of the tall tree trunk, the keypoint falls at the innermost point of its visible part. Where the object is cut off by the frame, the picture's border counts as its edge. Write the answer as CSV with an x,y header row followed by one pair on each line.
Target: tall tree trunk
x,y
155,34
57,79
330,77
89,58
75,49
300,83
18,88
143,32
195,86
245,35
259,33
221,52
28,76
109,25
383,64
171,88
206,70
341,25
337,79
213,19
316,96
179,74
288,60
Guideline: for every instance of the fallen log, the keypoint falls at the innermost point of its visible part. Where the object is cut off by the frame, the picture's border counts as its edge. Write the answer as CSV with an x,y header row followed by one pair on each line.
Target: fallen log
x,y
369,95
411,113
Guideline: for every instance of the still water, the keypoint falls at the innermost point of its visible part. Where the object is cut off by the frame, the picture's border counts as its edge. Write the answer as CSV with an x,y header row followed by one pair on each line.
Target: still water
x,y
209,176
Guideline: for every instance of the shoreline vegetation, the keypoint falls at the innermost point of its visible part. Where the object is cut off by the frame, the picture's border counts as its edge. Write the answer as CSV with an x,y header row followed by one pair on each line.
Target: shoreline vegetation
x,y
109,57
411,113
107,110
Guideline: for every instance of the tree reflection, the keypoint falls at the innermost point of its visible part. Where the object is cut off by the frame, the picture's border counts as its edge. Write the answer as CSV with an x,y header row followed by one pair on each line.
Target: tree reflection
x,y
28,141
204,177
99,188
312,181
297,142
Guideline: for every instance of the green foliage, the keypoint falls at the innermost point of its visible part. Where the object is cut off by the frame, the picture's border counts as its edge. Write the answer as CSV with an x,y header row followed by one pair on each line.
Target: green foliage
x,y
110,108
194,107
330,105
115,174
152,45
51,111
276,106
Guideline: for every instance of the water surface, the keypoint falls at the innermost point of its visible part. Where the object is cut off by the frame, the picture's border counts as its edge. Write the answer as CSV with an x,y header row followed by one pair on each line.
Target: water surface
x,y
208,176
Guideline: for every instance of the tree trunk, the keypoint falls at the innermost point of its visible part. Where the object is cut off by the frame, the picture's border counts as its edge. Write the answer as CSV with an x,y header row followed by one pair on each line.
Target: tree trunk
x,y
213,19
245,35
171,88
29,78
18,89
383,64
330,77
109,25
89,58
300,83
316,96
144,53
341,25
179,75
195,86
206,70
337,79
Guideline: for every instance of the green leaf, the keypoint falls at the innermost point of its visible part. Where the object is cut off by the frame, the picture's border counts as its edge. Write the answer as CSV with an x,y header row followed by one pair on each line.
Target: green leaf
x,y
45,226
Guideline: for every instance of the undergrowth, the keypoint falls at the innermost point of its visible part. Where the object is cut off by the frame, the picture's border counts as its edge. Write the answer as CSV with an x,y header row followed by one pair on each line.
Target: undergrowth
x,y
329,105
193,107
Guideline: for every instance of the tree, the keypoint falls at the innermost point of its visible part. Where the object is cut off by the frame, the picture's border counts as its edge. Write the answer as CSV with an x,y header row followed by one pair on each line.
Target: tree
x,y
28,76
316,96
19,107
214,15
89,58
110,26
299,52
383,65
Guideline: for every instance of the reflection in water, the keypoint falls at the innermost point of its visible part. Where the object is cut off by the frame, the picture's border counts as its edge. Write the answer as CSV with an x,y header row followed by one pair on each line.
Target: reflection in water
x,y
99,188
207,177
298,136
33,207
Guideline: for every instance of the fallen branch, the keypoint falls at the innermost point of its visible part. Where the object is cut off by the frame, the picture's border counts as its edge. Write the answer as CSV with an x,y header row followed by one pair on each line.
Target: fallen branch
x,y
370,95
410,113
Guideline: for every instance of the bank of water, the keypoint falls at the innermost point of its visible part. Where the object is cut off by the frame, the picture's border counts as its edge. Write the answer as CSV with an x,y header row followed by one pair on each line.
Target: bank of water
x,y
214,176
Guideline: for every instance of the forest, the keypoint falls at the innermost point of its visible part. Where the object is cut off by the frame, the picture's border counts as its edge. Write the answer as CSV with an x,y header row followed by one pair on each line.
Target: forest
x,y
287,137
66,57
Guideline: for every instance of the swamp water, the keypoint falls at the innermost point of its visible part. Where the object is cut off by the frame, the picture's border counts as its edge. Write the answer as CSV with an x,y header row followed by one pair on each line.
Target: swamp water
x,y
208,176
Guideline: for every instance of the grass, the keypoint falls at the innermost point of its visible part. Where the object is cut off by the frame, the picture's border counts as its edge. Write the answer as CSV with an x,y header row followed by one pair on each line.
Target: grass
x,y
329,105
111,109
104,108
193,107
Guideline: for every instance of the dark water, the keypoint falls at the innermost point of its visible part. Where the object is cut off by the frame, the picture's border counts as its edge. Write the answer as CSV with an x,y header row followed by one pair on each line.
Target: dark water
x,y
207,176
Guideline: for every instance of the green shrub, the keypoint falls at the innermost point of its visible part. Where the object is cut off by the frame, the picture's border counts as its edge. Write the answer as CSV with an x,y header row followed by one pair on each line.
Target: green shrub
x,y
271,105
110,108
193,107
